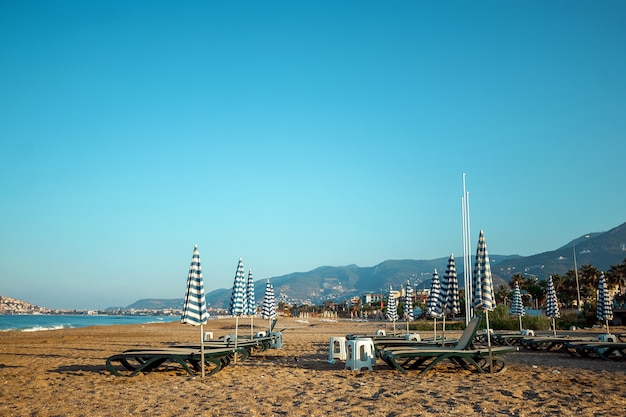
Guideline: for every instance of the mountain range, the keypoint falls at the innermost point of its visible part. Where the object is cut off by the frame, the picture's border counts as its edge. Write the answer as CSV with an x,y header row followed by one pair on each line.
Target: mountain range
x,y
328,283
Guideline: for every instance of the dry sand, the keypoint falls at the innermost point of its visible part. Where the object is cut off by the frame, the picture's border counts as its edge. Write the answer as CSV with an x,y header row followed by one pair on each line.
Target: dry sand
x,y
62,373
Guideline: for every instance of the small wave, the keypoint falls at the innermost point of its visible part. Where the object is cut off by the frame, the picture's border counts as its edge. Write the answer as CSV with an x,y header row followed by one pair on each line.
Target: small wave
x,y
42,328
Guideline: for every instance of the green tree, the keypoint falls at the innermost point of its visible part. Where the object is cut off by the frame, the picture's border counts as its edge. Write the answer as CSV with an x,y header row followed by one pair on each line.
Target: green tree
x,y
519,278
588,278
616,277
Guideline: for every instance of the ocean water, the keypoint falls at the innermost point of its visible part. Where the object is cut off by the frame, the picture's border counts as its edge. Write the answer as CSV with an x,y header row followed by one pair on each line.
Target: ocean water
x,y
34,323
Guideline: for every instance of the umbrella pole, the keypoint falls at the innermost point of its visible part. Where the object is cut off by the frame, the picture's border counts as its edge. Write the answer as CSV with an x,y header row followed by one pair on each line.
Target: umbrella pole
x,y
607,327
520,324
252,325
554,326
202,348
435,329
236,337
443,330
489,342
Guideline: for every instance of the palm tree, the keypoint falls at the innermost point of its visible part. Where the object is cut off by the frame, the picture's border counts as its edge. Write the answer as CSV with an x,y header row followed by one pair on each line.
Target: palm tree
x,y
519,278
565,288
616,277
588,275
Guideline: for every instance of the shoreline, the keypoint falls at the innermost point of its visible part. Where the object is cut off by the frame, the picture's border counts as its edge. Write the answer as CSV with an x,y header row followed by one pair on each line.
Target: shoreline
x,y
63,373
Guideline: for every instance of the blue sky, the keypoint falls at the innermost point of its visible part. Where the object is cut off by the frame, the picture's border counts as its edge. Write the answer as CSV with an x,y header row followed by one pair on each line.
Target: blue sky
x,y
297,134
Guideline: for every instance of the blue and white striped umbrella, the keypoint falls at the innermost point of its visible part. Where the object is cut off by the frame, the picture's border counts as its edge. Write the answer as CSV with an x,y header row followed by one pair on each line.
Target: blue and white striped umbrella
x,y
238,294
408,303
552,304
433,308
269,303
194,307
605,309
517,307
449,295
450,289
483,287
483,281
250,302
392,308
237,298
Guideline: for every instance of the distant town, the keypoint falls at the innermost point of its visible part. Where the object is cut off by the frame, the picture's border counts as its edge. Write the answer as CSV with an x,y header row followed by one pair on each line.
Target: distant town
x,y
10,305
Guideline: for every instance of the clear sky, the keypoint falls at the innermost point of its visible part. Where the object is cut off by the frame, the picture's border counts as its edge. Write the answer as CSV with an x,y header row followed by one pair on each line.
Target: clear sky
x,y
297,134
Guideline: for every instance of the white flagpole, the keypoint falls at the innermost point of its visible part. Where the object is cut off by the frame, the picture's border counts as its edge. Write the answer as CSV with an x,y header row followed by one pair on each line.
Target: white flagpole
x,y
467,275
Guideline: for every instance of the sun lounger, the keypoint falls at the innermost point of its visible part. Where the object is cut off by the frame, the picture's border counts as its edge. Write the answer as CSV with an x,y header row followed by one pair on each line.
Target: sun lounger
x,y
550,343
258,344
611,351
508,339
462,354
380,344
146,360
426,359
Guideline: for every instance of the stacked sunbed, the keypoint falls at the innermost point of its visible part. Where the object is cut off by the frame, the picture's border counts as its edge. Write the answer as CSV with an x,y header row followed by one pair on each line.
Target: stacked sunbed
x,y
217,354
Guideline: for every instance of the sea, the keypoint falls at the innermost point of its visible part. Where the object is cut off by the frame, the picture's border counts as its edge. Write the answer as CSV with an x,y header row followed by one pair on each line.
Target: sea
x,y
42,322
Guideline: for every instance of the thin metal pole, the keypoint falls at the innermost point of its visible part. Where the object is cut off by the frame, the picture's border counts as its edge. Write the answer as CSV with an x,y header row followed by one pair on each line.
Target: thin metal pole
x,y
576,274
467,275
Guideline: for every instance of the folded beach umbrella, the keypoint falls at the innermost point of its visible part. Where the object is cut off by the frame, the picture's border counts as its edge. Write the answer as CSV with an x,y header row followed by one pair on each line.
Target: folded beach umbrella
x,y
483,287
194,306
517,307
552,304
269,303
408,305
392,309
237,297
449,295
250,309
433,307
605,310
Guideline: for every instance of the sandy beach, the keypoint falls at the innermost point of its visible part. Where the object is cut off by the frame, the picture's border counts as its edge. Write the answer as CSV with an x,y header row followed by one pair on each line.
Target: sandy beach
x,y
62,373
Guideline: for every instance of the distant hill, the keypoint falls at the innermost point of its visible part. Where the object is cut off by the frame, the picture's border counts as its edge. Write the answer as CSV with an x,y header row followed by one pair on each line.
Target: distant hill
x,y
152,304
601,250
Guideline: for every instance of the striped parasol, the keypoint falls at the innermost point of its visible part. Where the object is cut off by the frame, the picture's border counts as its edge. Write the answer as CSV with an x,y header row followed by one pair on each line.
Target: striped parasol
x,y
408,305
433,306
392,309
194,307
552,304
250,303
237,297
269,303
238,293
605,310
450,289
517,307
483,287
449,295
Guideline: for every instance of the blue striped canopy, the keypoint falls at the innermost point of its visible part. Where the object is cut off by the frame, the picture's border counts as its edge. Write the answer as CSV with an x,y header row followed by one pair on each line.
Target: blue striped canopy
x,y
408,303
517,307
483,281
449,295
434,305
552,303
269,303
194,307
392,306
250,307
605,309
238,293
